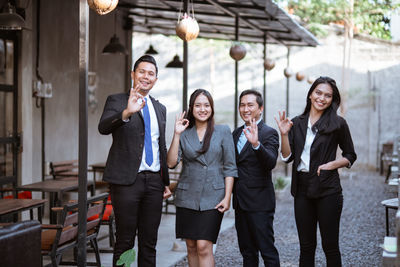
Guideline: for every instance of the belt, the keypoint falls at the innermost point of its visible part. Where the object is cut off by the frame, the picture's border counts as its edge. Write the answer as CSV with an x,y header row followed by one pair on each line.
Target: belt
x,y
149,172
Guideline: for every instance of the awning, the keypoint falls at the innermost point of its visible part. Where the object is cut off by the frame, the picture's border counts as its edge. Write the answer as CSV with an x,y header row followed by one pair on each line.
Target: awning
x,y
216,20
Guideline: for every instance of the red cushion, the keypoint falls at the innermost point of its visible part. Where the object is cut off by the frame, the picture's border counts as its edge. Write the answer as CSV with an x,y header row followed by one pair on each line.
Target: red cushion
x,y
106,215
21,195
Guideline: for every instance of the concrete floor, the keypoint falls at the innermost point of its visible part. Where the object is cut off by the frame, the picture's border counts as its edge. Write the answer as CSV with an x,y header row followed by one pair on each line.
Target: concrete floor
x,y
169,249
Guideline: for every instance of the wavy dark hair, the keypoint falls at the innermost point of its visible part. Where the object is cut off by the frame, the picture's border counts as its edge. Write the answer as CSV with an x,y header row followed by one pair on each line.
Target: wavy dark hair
x,y
210,121
329,120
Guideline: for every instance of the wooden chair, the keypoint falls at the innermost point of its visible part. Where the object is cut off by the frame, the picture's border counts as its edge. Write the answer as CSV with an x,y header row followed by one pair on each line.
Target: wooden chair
x,y
58,238
62,169
385,158
109,220
173,177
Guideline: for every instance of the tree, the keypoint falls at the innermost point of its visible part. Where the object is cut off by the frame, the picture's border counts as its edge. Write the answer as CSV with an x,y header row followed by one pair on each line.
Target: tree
x,y
369,16
365,16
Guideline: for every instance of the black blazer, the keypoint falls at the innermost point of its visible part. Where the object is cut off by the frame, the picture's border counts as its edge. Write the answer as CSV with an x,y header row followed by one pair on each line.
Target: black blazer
x,y
253,189
126,151
323,150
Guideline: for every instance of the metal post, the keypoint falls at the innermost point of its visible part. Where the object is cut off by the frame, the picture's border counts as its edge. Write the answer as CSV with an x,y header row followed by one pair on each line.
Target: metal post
x,y
83,128
265,81
287,83
185,64
185,76
287,98
236,73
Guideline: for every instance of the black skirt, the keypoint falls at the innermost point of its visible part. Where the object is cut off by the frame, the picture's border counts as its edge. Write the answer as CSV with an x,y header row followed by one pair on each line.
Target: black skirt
x,y
198,225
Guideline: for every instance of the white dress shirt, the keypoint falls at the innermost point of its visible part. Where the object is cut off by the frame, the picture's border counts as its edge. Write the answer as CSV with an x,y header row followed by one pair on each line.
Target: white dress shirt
x,y
155,135
304,165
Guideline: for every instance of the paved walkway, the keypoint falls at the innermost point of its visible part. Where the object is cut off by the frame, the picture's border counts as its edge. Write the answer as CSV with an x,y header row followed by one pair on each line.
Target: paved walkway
x,y
362,229
362,226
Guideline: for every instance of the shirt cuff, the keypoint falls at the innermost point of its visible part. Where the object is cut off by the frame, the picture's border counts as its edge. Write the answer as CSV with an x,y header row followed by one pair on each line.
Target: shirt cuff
x,y
127,120
257,147
285,159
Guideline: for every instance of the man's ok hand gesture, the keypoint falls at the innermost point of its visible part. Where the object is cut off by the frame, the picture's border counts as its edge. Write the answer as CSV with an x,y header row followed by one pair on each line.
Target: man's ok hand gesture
x,y
251,133
135,103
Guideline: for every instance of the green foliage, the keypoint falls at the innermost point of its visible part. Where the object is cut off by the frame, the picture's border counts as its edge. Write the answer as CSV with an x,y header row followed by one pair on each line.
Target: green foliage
x,y
369,16
127,258
280,183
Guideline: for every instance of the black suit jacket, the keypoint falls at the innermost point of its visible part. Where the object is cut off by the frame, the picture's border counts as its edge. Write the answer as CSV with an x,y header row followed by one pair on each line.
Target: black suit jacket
x,y
323,150
253,189
126,151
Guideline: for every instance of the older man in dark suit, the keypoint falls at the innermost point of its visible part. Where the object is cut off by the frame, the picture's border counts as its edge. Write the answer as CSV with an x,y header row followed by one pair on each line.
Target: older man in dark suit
x,y
136,165
253,193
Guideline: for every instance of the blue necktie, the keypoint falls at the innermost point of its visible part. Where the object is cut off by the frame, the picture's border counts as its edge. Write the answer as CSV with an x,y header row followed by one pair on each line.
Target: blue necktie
x,y
241,142
147,135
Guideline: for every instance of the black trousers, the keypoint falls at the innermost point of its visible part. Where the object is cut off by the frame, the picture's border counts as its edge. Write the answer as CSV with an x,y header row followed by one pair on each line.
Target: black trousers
x,y
256,234
326,213
137,207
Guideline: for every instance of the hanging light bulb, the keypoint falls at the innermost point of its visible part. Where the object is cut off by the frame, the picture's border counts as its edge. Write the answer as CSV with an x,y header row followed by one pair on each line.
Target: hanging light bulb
x,y
102,7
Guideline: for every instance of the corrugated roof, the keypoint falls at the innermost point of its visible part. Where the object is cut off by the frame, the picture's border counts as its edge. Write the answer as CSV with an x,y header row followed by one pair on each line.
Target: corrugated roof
x,y
216,20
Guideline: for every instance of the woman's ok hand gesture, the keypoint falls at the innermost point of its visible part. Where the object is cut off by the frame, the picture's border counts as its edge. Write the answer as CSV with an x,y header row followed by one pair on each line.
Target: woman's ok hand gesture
x,y
181,123
284,123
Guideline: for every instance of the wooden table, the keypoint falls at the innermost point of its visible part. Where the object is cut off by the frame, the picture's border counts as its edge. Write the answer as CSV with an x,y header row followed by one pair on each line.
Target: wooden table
x,y
56,188
13,206
97,167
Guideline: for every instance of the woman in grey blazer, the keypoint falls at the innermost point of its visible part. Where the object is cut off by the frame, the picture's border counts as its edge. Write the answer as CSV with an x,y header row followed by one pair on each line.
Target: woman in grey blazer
x,y
204,189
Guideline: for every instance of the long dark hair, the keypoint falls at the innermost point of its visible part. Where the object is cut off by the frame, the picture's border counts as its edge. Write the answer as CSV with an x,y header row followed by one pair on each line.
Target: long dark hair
x,y
210,121
329,119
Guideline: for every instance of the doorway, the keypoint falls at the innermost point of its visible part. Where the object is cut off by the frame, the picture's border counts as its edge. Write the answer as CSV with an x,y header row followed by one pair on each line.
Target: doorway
x,y
9,139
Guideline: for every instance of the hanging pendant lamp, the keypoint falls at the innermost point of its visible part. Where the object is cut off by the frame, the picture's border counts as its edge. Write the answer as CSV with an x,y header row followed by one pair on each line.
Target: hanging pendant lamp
x,y
175,63
114,46
10,20
151,51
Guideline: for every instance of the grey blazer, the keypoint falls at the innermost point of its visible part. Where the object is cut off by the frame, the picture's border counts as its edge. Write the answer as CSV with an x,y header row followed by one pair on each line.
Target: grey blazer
x,y
201,185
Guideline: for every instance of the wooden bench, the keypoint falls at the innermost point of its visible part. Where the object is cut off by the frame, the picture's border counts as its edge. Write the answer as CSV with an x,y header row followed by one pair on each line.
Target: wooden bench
x,y
57,238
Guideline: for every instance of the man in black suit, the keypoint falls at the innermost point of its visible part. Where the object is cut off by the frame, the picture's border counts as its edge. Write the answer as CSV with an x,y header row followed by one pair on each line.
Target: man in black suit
x,y
253,193
136,167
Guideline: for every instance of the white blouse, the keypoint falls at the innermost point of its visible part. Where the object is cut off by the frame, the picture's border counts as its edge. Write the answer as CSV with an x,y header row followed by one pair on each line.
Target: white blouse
x,y
304,165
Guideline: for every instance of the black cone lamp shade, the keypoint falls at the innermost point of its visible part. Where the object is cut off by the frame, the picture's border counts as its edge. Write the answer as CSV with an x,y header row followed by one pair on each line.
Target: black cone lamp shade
x,y
151,51
10,20
175,63
114,47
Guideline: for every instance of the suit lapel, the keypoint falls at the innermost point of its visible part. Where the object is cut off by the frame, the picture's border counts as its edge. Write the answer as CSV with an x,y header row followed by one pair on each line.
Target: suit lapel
x,y
157,110
303,121
193,140
236,135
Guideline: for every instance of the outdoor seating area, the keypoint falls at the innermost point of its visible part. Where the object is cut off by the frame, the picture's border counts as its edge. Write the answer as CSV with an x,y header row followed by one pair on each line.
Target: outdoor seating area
x,y
391,156
69,103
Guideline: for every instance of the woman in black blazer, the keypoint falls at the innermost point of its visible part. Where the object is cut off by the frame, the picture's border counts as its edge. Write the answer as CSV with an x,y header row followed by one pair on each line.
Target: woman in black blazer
x,y
310,141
